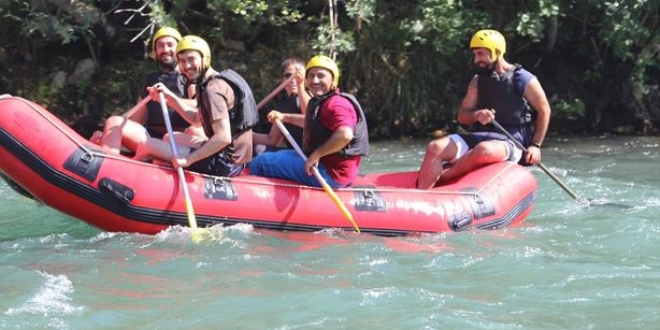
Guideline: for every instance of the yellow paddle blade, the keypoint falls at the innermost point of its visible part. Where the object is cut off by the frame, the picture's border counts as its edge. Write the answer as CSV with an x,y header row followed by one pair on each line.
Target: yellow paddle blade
x,y
197,235
192,220
340,205
318,176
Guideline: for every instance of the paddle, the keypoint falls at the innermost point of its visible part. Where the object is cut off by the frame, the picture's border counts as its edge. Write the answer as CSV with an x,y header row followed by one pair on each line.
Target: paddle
x,y
539,164
547,171
97,136
137,107
192,220
275,92
318,176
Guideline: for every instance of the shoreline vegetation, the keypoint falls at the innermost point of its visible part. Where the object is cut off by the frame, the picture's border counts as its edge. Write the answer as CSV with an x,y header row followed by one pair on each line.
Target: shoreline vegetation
x,y
599,65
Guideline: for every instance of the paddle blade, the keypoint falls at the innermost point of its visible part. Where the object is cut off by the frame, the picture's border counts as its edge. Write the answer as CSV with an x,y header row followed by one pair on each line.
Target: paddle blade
x,y
197,235
340,205
192,220
321,180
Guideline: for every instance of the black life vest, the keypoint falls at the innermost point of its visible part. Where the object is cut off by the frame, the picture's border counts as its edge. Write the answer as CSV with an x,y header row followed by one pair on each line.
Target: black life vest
x,y
499,92
243,115
175,82
319,134
292,105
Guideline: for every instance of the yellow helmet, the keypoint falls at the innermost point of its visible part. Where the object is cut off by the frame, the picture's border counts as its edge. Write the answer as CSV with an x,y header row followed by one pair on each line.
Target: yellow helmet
x,y
489,39
191,42
164,32
322,61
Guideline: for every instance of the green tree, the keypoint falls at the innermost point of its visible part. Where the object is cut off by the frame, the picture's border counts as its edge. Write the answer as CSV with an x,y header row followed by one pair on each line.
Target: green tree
x,y
407,61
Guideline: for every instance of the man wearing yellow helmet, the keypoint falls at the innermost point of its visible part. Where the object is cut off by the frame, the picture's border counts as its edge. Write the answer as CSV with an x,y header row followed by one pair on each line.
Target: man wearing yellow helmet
x,y
499,91
130,132
225,109
335,135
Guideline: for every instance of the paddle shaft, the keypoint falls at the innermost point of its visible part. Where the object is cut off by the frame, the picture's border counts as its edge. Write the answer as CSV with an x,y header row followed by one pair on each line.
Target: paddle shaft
x,y
137,107
539,164
318,176
192,220
274,92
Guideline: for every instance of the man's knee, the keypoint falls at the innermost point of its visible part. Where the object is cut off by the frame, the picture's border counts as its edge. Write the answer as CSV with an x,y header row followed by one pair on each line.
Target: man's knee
x,y
436,147
263,164
255,165
114,121
491,151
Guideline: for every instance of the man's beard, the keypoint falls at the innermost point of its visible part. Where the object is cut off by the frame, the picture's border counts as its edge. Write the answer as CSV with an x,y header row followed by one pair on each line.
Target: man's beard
x,y
488,69
170,66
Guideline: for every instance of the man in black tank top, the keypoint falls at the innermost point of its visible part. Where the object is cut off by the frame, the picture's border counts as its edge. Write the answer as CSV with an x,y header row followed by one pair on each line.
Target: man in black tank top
x,y
225,109
291,104
500,90
136,127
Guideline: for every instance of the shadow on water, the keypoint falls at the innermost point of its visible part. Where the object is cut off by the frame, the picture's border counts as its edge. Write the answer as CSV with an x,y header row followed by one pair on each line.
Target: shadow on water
x,y
16,187
22,216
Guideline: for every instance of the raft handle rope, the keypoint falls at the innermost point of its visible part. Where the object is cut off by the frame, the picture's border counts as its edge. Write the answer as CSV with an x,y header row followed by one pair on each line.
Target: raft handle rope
x,y
93,153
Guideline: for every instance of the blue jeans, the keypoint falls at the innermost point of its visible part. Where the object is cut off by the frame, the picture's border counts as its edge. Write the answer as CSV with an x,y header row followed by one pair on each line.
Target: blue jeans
x,y
287,164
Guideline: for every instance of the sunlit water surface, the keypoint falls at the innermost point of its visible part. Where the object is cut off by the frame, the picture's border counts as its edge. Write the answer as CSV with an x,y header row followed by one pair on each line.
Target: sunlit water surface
x,y
568,266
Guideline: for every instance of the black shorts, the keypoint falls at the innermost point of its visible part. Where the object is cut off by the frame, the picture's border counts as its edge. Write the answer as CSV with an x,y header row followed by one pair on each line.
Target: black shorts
x,y
218,164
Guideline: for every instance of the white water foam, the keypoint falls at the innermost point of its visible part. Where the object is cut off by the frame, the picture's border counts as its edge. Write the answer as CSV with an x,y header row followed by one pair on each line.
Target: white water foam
x,y
51,299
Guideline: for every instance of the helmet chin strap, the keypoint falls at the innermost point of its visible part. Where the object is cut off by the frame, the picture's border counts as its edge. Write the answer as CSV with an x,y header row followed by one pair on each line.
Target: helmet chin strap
x,y
202,75
198,80
494,64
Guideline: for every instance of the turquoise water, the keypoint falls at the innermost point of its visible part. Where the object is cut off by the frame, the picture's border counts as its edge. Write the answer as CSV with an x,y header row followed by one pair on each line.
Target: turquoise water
x,y
568,266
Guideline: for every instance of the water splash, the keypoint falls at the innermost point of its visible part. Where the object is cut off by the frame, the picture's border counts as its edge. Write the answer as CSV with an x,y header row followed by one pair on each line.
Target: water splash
x,y
51,299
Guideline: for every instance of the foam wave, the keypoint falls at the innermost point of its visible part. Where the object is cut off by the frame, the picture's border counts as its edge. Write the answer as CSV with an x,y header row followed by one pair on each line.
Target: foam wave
x,y
51,299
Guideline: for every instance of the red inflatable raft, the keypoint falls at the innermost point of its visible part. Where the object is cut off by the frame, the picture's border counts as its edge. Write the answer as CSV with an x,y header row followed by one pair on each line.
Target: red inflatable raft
x,y
45,159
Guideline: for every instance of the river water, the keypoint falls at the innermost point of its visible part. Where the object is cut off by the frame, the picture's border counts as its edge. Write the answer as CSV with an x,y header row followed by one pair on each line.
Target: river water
x,y
568,266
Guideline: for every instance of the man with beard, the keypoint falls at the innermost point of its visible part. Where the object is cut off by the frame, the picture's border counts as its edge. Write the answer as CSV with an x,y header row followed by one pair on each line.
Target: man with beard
x,y
499,91
148,120
225,109
335,133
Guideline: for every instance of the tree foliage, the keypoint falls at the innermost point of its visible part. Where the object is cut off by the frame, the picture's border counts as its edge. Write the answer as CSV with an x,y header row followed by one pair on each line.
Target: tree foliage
x,y
406,60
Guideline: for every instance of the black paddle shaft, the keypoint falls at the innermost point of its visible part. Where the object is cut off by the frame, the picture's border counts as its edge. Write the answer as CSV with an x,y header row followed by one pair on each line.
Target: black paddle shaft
x,y
539,164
